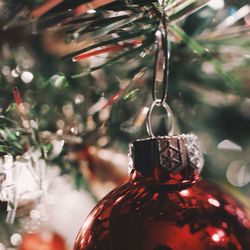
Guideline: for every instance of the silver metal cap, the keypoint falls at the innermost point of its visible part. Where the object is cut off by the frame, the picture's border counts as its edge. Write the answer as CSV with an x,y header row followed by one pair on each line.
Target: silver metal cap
x,y
171,159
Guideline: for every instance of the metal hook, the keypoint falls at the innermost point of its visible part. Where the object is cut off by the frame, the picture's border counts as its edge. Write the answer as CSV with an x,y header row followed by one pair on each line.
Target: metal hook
x,y
171,121
161,72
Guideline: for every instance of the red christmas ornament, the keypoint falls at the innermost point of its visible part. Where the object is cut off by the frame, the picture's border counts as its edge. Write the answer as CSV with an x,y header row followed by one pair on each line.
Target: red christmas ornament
x,y
42,241
164,206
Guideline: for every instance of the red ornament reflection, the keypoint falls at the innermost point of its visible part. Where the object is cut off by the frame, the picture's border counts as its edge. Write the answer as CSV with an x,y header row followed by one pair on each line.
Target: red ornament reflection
x,y
42,241
146,215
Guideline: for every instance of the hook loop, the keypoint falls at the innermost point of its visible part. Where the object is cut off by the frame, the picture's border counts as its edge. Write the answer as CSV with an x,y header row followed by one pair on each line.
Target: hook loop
x,y
170,117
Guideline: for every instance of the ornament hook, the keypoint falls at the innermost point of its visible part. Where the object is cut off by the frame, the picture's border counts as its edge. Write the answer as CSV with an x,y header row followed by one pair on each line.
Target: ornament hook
x,y
171,121
162,61
161,74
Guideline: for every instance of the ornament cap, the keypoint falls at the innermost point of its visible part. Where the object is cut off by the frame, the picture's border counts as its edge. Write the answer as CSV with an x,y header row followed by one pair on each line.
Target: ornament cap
x,y
168,159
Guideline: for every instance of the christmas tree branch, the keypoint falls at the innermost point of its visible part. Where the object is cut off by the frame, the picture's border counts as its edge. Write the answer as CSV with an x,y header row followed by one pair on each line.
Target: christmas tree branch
x,y
204,53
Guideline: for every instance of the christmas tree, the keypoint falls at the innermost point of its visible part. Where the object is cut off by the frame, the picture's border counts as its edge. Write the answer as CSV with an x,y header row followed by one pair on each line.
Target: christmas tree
x,y
76,86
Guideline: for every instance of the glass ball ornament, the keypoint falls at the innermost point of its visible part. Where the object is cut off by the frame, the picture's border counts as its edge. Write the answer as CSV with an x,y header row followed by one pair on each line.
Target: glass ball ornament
x,y
165,206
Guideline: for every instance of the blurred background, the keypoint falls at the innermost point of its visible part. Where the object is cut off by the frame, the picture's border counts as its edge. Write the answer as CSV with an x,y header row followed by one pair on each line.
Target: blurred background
x,y
75,88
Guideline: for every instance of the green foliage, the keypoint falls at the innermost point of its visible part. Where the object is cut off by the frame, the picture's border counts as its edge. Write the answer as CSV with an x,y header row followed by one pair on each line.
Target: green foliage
x,y
66,98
